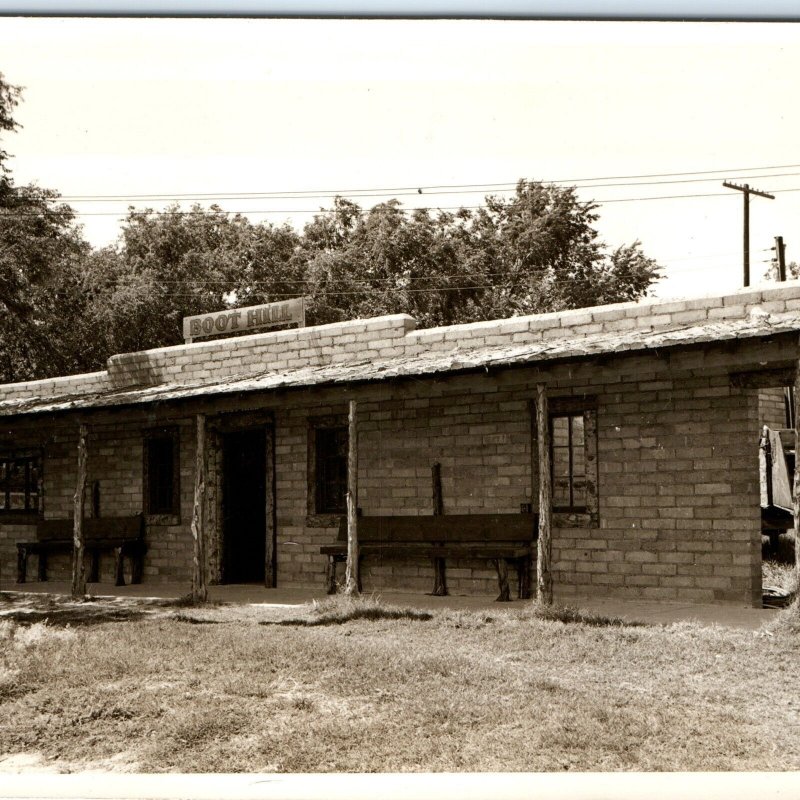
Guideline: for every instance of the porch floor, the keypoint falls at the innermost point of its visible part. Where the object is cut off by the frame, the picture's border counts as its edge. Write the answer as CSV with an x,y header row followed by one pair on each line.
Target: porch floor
x,y
653,612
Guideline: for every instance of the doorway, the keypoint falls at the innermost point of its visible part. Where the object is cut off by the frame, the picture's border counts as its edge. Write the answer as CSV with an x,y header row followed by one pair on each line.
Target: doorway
x,y
247,553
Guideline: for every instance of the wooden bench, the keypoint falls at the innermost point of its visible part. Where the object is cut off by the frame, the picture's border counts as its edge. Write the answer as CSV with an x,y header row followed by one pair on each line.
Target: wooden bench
x,y
124,536
502,538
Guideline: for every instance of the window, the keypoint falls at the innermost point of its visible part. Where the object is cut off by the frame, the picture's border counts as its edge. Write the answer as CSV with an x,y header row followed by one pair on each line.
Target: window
x,y
161,473
568,459
19,484
327,479
573,460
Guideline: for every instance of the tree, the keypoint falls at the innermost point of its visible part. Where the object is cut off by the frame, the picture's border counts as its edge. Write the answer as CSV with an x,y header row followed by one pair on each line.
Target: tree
x,y
41,251
176,263
9,99
535,252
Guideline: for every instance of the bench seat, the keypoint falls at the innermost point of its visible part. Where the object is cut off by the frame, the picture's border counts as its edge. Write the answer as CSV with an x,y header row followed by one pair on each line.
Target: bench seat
x,y
501,538
123,536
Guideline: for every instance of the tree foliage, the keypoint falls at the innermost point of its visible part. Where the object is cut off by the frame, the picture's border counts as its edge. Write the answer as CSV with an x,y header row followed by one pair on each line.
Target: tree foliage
x,y
535,252
41,266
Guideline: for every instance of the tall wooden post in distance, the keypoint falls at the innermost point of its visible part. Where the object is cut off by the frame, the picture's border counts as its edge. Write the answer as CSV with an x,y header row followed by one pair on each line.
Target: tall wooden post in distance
x,y
746,191
796,492
78,565
199,583
351,577
544,578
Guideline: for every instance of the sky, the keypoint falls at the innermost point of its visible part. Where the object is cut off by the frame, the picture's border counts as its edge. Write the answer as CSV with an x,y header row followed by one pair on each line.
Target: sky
x,y
147,110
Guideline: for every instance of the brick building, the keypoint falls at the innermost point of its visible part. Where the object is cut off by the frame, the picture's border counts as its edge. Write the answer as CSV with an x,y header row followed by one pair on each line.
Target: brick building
x,y
655,410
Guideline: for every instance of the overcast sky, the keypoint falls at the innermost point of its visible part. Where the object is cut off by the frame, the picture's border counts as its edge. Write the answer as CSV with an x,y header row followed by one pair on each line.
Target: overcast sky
x,y
219,107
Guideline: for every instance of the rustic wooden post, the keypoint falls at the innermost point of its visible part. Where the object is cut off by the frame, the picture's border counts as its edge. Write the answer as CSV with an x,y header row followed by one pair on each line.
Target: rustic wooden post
x,y
78,566
270,577
351,578
199,585
544,578
439,579
796,492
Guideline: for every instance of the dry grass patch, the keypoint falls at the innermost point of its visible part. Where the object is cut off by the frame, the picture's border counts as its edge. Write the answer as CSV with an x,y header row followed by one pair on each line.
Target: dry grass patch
x,y
377,688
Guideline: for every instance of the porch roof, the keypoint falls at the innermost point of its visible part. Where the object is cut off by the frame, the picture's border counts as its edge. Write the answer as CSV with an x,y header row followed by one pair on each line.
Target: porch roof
x,y
458,360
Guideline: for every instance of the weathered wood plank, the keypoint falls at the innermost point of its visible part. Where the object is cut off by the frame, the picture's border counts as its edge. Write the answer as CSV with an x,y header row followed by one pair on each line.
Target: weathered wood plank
x,y
269,551
544,578
796,492
199,584
78,565
447,528
439,569
351,582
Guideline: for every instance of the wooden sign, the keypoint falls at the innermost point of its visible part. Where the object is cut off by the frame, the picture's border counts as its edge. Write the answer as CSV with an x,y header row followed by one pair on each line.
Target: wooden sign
x,y
238,320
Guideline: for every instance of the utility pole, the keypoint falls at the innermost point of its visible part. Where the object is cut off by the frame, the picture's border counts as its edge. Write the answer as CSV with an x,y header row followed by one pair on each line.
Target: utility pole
x,y
780,255
746,192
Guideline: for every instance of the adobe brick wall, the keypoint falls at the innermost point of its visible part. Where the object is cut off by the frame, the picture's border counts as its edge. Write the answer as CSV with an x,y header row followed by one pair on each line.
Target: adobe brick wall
x,y
115,461
678,481
772,407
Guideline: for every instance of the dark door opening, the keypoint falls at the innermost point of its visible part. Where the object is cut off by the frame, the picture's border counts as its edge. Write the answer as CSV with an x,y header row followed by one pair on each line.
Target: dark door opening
x,y
244,506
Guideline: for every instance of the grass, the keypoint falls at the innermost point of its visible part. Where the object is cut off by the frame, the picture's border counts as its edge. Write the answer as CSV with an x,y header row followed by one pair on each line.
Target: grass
x,y
779,575
354,685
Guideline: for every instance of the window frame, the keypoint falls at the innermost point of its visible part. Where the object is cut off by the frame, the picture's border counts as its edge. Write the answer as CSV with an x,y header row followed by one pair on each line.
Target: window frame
x,y
173,515
571,507
577,516
26,514
317,516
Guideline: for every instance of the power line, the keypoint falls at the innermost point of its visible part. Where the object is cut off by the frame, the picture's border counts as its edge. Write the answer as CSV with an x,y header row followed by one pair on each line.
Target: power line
x,y
370,193
144,212
464,188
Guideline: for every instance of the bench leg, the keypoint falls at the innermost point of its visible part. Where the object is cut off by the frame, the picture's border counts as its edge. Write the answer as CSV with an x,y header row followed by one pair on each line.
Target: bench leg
x,y
358,574
524,576
502,579
22,564
137,565
42,570
330,575
119,574
94,566
439,580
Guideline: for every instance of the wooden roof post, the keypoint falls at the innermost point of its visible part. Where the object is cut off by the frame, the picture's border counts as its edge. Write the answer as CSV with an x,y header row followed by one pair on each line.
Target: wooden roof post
x,y
199,584
796,492
351,578
439,576
544,578
78,565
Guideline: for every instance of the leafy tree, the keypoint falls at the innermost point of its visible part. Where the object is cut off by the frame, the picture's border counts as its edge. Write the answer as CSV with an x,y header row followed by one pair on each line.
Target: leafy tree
x,y
9,99
176,263
41,250
536,252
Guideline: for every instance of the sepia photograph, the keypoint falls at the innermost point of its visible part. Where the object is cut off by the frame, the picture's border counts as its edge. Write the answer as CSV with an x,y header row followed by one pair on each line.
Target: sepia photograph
x,y
407,396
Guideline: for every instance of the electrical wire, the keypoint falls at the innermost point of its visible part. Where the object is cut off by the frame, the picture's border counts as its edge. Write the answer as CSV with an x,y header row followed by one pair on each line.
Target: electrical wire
x,y
465,187
177,212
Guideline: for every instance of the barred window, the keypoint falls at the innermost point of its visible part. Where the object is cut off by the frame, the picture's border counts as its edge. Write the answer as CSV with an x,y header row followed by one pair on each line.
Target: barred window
x,y
20,484
330,477
161,472
568,458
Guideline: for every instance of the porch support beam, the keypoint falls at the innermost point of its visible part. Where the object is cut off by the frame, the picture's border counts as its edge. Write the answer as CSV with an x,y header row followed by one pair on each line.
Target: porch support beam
x,y
78,565
544,578
796,492
199,582
352,580
440,579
